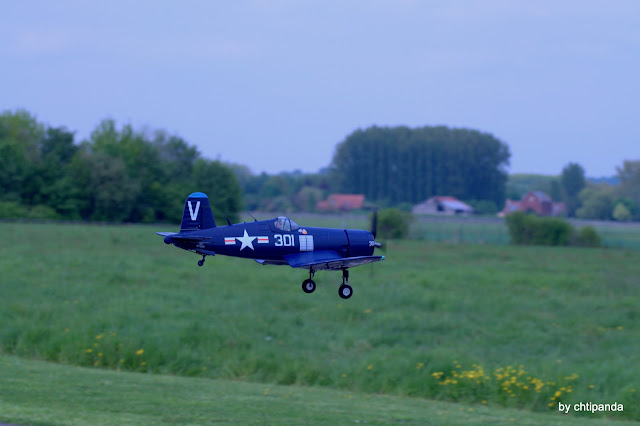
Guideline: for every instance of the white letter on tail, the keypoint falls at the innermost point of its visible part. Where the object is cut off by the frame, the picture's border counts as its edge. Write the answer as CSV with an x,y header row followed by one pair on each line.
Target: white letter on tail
x,y
194,215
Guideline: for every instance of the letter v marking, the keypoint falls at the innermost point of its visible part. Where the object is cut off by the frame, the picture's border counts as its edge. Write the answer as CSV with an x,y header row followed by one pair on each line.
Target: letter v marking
x,y
194,215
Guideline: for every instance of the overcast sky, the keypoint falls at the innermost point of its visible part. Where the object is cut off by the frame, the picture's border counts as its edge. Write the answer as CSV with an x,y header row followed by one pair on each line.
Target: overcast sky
x,y
275,85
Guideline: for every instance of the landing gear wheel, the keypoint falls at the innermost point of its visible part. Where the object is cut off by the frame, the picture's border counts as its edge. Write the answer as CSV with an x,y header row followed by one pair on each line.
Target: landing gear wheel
x,y
201,261
345,291
308,286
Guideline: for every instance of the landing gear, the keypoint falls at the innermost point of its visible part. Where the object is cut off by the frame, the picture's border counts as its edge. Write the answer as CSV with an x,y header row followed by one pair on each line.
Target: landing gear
x,y
201,261
308,286
345,291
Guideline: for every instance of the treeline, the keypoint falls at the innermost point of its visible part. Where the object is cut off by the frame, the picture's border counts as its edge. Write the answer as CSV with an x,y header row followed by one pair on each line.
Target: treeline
x,y
616,198
119,175
125,175
620,202
284,192
393,165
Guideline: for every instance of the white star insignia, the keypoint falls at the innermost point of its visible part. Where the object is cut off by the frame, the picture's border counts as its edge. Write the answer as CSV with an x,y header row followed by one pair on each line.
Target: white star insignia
x,y
246,241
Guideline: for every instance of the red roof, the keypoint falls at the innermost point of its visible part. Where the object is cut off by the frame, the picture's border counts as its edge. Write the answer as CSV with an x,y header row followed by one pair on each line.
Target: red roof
x,y
342,202
444,198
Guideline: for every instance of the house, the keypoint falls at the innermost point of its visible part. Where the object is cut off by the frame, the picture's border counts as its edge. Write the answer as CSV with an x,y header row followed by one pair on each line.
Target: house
x,y
534,202
443,205
341,202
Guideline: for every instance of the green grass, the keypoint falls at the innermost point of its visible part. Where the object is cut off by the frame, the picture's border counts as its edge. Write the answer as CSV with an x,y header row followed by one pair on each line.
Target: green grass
x,y
40,393
116,297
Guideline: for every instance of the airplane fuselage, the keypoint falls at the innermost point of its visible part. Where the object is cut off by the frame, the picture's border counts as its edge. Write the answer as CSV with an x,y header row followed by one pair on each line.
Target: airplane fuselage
x,y
263,240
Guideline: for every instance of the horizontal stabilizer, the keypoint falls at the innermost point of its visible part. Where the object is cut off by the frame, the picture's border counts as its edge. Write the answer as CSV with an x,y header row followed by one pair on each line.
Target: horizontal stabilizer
x,y
183,237
177,239
189,238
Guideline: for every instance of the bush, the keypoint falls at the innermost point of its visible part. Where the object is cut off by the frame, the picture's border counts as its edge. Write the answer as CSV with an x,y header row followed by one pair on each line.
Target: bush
x,y
393,223
588,237
12,210
42,212
484,207
621,213
532,230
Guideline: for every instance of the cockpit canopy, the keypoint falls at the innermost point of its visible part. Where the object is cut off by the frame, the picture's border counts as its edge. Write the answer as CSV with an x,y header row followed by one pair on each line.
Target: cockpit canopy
x,y
283,223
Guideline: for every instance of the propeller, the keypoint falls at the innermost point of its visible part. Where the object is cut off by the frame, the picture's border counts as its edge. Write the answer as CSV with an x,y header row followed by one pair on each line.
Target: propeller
x,y
374,228
374,223
374,232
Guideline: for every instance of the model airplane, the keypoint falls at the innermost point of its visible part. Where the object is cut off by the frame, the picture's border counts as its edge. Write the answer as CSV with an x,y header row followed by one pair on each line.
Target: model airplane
x,y
278,241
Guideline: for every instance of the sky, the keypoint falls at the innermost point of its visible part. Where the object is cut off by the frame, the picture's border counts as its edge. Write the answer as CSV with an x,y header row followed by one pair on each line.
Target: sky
x,y
276,85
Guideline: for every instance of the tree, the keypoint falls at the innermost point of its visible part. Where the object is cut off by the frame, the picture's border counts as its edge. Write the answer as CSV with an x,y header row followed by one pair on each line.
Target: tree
x,y
119,174
113,192
48,183
621,213
220,184
572,181
20,135
629,189
399,164
597,202
307,198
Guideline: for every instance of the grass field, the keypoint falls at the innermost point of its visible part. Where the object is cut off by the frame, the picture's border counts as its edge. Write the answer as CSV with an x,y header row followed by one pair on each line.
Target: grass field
x,y
488,325
39,393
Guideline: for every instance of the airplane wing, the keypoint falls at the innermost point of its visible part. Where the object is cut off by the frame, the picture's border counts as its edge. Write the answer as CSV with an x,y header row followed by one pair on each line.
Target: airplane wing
x,y
271,262
327,260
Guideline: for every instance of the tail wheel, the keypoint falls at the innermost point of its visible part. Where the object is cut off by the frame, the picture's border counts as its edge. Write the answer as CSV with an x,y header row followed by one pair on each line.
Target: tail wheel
x,y
345,291
308,286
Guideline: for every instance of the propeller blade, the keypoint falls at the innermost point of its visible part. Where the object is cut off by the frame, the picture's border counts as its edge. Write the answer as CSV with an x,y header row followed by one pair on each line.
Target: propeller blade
x,y
374,224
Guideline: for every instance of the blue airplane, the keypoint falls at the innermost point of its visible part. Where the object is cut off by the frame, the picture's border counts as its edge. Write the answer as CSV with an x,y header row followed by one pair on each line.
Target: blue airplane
x,y
277,241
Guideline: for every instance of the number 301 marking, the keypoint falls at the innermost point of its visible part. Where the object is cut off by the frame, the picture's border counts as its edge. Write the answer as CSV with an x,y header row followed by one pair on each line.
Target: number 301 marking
x,y
286,240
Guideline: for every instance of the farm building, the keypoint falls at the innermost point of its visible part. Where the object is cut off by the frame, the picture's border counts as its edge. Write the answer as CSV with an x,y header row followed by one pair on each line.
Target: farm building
x,y
534,202
341,202
443,205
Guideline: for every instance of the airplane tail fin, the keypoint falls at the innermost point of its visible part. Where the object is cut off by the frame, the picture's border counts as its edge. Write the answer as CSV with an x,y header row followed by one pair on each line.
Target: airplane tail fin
x,y
197,213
